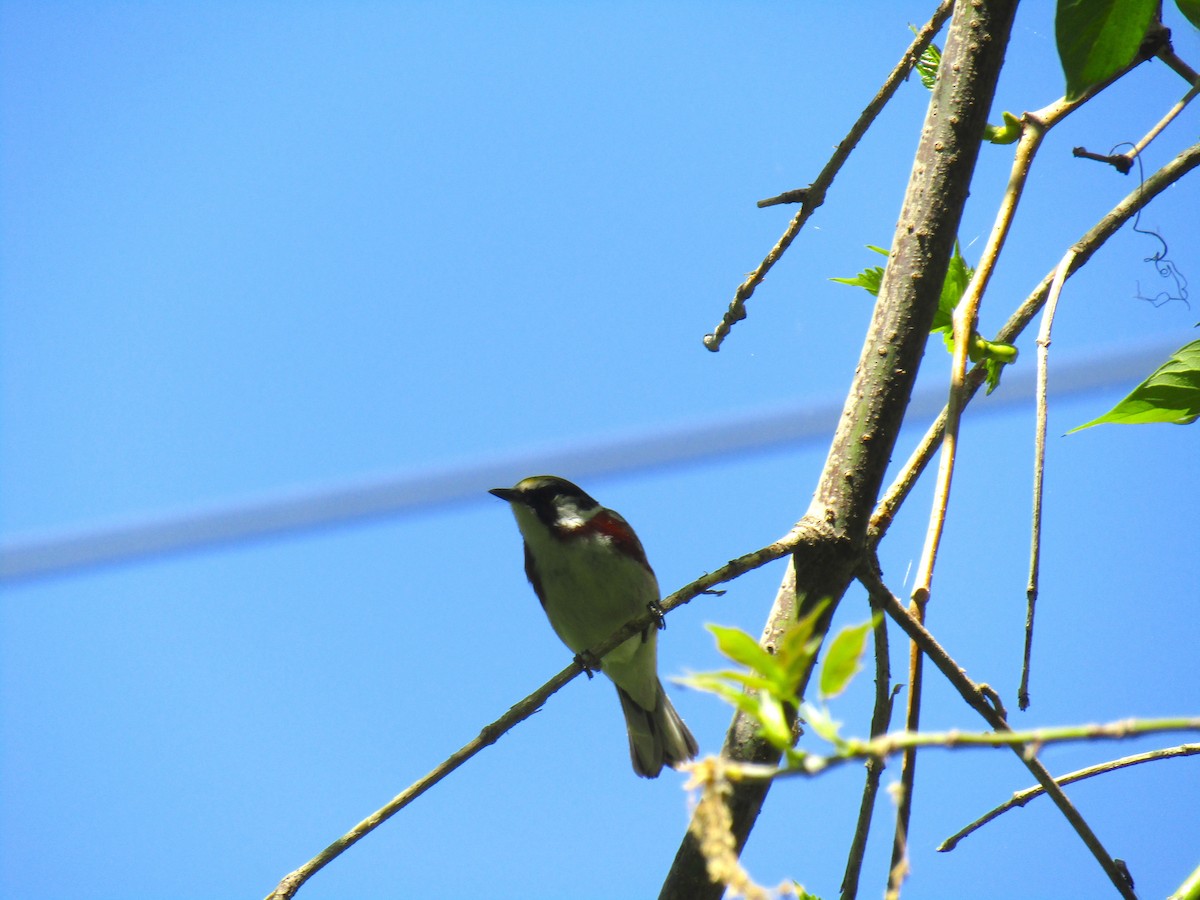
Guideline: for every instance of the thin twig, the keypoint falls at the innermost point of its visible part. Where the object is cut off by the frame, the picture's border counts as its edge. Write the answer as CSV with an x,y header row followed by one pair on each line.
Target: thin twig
x,y
797,196
1020,798
1165,121
1123,162
979,699
886,745
1039,467
520,711
894,497
1119,161
815,192
1035,126
1095,237
898,870
713,776
1167,54
966,313
526,707
881,721
965,316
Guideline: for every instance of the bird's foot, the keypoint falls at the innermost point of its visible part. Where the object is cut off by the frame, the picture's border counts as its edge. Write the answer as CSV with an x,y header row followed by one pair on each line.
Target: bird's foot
x,y
660,619
588,662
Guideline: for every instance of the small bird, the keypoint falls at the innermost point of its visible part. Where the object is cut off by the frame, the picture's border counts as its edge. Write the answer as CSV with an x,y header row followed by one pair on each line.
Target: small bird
x,y
590,572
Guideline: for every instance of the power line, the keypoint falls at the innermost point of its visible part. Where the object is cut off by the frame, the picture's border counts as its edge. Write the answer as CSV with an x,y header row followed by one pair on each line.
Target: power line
x,y
308,509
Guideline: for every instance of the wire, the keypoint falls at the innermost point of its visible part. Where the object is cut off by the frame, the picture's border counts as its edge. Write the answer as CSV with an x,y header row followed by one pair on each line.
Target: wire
x,y
309,509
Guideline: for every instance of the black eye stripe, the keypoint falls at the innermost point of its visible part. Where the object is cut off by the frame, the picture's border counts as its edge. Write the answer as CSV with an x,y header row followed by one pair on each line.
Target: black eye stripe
x,y
544,501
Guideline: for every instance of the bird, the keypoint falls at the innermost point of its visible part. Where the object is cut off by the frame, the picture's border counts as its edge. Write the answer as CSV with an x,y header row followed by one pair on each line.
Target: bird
x,y
590,573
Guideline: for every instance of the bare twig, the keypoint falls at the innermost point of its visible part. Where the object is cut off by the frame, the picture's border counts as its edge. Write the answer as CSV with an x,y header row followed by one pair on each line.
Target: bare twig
x,y
1039,465
966,313
1123,162
886,509
979,700
1035,125
1165,121
864,440
1171,59
881,720
1085,247
814,194
898,870
797,196
1118,161
1020,798
713,777
896,743
520,711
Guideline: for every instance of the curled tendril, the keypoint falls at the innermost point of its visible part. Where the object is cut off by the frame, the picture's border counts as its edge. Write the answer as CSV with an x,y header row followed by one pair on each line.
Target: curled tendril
x,y
1163,265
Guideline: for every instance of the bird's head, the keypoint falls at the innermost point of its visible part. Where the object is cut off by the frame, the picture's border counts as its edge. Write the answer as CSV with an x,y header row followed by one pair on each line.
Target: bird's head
x,y
547,504
555,502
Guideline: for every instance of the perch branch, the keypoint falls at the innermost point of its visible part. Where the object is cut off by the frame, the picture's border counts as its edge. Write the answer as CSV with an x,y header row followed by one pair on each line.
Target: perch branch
x,y
526,707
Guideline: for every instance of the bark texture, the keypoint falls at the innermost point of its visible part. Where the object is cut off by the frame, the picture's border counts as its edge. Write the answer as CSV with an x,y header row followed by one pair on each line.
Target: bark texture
x,y
837,519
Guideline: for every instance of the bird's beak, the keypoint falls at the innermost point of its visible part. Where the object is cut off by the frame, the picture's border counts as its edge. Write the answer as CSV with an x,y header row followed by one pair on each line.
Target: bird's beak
x,y
510,495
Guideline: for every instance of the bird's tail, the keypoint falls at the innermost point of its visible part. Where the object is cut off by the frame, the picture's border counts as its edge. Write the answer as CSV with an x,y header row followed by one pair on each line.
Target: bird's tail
x,y
657,736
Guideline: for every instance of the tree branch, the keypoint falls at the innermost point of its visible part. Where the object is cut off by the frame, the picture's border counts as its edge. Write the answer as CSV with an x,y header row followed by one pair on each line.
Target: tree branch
x,y
1020,798
886,745
983,703
526,707
1039,466
862,446
881,721
814,195
1084,248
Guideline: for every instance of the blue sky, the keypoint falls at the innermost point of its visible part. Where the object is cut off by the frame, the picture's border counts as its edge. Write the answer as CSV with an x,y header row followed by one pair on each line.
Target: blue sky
x,y
252,248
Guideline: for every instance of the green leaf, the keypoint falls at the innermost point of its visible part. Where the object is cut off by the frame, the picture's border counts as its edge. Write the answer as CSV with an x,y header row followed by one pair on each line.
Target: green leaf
x,y
742,648
1191,10
1098,38
844,659
798,647
958,276
819,720
797,637
870,279
1170,394
929,63
1008,133
773,723
748,703
997,350
747,680
992,369
994,355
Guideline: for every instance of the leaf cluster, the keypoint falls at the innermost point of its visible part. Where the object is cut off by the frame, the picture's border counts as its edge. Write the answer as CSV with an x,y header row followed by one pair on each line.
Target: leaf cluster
x,y
768,686
993,354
